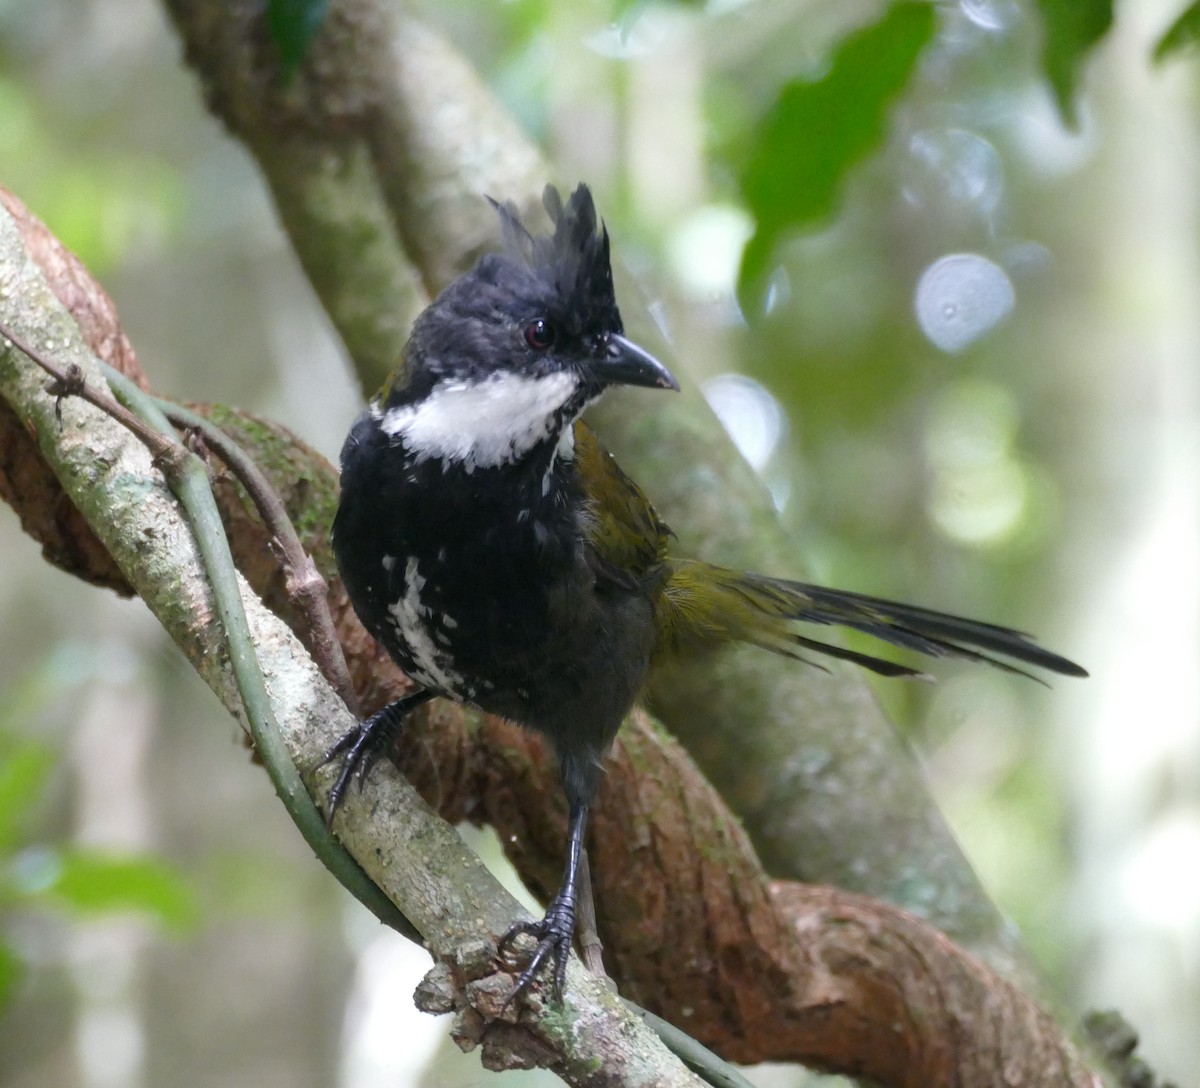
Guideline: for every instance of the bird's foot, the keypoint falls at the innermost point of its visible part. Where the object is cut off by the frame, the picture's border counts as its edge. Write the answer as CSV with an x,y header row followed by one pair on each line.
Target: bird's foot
x,y
361,746
554,934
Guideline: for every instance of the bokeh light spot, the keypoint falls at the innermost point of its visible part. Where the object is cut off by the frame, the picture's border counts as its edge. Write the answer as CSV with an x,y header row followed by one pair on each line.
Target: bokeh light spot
x,y
749,413
994,15
706,250
980,490
960,297
953,164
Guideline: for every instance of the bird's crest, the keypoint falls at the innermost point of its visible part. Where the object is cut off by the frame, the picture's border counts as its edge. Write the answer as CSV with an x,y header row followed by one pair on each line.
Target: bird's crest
x,y
575,258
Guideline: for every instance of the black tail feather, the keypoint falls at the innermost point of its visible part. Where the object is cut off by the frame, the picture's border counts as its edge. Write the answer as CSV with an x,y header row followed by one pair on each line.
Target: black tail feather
x,y
702,604
878,665
936,634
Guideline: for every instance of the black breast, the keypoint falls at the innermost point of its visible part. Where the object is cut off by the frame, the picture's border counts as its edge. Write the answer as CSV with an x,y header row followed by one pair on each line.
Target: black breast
x,y
479,584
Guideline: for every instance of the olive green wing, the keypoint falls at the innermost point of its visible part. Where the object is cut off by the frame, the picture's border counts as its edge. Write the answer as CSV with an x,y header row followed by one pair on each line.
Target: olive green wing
x,y
695,605
628,539
698,606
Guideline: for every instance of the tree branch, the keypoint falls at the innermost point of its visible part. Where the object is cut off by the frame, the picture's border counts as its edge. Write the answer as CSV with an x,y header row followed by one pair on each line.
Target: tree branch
x,y
825,786
416,858
755,969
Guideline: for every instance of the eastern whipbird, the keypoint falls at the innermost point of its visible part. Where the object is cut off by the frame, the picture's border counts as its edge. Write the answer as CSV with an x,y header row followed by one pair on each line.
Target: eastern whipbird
x,y
494,547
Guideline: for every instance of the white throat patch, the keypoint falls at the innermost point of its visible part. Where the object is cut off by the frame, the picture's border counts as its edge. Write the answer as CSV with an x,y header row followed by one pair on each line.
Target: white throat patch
x,y
484,424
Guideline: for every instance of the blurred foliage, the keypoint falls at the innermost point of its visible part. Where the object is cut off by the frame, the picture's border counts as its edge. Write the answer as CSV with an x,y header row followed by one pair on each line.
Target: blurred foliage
x,y
1182,35
818,130
40,876
91,883
107,204
1072,29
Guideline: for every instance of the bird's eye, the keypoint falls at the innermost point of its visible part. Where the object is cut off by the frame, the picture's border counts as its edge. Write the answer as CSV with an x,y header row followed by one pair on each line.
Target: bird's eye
x,y
540,334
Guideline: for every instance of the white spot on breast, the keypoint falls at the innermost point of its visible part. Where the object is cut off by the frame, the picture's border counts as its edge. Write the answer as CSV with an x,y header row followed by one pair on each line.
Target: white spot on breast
x,y
483,424
412,616
565,450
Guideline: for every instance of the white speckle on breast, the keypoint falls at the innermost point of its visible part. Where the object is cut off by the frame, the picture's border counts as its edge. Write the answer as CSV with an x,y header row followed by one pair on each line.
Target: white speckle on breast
x,y
483,424
565,450
418,627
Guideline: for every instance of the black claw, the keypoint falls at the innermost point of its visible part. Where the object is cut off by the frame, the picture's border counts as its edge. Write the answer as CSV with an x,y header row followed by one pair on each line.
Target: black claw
x,y
364,760
357,744
362,745
554,934
335,750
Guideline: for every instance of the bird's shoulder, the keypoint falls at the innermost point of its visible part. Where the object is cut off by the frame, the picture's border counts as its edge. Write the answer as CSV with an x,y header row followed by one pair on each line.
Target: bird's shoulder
x,y
626,537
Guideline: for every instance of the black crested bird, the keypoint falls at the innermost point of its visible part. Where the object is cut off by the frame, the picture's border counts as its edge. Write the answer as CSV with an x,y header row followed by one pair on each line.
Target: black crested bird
x,y
502,557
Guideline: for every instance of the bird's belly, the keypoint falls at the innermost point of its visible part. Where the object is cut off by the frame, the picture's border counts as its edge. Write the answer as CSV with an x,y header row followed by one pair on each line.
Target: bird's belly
x,y
498,609
472,622
547,653
422,631
421,637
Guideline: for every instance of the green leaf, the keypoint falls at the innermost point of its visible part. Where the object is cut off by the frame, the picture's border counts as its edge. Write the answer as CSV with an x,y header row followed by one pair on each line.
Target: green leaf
x,y
293,24
92,883
1072,28
1182,34
24,769
10,974
817,131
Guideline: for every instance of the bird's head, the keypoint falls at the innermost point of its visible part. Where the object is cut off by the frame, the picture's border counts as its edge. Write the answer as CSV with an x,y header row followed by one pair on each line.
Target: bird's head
x,y
507,356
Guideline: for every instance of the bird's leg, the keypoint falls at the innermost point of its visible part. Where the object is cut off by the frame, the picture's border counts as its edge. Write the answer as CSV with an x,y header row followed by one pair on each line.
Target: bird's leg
x,y
362,745
554,932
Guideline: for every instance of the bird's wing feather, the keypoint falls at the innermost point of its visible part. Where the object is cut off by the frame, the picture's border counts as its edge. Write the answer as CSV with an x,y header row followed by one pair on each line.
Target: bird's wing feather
x,y
699,605
627,538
